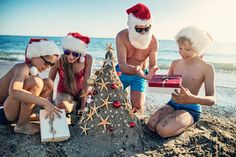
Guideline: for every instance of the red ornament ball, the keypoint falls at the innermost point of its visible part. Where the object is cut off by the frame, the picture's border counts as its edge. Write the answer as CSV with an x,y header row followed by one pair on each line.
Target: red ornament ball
x,y
132,124
118,73
113,86
116,104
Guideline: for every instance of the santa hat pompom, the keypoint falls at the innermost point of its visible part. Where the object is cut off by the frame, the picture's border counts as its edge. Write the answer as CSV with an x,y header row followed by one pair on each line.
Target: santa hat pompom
x,y
200,39
75,42
139,14
40,47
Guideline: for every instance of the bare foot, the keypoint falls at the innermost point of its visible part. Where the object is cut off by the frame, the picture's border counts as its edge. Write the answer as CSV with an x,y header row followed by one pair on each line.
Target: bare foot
x,y
27,129
34,117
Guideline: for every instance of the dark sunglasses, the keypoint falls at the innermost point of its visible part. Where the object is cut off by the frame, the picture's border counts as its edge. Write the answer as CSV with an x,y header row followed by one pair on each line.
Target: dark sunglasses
x,y
74,54
47,63
140,30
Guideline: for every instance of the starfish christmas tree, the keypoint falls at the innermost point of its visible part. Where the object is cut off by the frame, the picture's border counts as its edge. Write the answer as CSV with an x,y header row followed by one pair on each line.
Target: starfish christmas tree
x,y
109,114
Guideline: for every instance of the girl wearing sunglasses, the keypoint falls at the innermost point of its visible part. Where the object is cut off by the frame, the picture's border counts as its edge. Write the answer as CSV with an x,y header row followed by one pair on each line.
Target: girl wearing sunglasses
x,y
74,69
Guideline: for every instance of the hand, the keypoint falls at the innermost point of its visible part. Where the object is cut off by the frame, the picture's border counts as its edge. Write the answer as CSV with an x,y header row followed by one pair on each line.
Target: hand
x,y
141,73
183,96
51,109
152,71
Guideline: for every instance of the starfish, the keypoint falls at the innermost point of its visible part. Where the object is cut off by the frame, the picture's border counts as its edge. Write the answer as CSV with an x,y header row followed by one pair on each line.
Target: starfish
x,y
90,115
131,113
108,61
84,129
109,47
94,108
103,85
104,122
106,102
82,119
98,72
127,106
85,95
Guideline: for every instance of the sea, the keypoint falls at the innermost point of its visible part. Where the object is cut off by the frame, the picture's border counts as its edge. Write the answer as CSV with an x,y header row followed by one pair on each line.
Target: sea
x,y
222,55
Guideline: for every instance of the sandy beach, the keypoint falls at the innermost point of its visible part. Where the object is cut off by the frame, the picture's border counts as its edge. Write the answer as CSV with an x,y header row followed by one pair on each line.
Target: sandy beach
x,y
213,135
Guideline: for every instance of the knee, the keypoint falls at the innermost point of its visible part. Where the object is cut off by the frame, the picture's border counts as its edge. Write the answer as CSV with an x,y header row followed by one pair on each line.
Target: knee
x,y
48,84
162,131
34,83
151,126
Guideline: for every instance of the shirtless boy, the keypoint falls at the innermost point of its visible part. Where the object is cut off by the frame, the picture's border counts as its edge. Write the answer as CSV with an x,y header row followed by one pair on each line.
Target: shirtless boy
x,y
21,88
184,108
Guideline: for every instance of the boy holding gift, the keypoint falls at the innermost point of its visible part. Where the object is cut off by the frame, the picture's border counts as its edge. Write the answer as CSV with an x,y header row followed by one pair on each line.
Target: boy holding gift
x,y
184,108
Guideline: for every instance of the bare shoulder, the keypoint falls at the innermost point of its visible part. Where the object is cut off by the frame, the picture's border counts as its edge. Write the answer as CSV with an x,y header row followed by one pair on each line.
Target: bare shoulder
x,y
177,61
122,34
208,67
21,68
154,43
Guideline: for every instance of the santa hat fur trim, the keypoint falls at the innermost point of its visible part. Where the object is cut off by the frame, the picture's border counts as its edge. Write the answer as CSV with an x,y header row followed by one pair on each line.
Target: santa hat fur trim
x,y
200,39
132,20
139,14
75,42
41,48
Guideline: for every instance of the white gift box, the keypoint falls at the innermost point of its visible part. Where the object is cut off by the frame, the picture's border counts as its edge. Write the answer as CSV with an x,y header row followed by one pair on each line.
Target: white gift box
x,y
57,131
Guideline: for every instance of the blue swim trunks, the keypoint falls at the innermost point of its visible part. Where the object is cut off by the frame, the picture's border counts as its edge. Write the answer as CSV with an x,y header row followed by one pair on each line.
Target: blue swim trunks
x,y
194,109
3,119
135,82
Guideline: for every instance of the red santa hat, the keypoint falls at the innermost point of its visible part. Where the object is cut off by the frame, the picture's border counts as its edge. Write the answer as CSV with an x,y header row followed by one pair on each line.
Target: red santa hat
x,y
75,42
139,14
40,47
200,39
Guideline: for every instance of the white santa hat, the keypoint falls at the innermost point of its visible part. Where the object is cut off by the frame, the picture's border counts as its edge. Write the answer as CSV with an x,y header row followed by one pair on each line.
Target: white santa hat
x,y
40,47
139,14
200,39
75,42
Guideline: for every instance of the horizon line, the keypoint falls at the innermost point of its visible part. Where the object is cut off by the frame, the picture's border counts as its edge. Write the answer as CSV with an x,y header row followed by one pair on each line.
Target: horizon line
x,y
101,37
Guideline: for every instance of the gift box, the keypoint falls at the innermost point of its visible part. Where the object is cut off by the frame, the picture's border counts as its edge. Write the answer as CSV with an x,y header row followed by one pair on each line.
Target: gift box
x,y
165,84
55,130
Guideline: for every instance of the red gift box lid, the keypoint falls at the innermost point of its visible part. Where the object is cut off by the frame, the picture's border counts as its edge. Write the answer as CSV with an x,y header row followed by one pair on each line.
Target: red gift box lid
x,y
171,81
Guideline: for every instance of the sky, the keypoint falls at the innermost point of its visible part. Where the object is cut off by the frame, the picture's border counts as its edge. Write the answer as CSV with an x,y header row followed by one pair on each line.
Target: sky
x,y
105,18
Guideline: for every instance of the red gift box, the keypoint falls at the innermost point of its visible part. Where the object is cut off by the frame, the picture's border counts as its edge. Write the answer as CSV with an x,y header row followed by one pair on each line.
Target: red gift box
x,y
164,83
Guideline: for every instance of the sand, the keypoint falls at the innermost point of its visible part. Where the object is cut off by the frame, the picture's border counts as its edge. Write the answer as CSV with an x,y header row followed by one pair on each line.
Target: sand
x,y
213,135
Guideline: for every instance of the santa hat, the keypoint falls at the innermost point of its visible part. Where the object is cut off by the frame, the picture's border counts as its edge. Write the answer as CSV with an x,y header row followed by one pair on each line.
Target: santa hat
x,y
139,14
200,39
75,42
40,47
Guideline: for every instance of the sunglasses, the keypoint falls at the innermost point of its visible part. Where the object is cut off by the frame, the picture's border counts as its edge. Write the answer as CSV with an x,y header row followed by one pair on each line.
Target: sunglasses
x,y
140,30
47,63
74,54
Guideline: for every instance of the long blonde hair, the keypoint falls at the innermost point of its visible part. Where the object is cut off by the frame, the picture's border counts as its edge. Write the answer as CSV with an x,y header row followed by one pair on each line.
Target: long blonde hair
x,y
69,77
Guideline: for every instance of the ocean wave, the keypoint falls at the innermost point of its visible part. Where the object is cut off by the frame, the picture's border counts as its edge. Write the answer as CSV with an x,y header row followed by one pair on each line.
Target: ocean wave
x,y
225,66
12,56
217,66
164,62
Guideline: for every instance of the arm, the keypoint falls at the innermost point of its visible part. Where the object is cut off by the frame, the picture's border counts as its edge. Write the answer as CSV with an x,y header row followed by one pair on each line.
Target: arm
x,y
87,73
209,82
153,58
185,96
122,56
52,75
171,72
17,92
